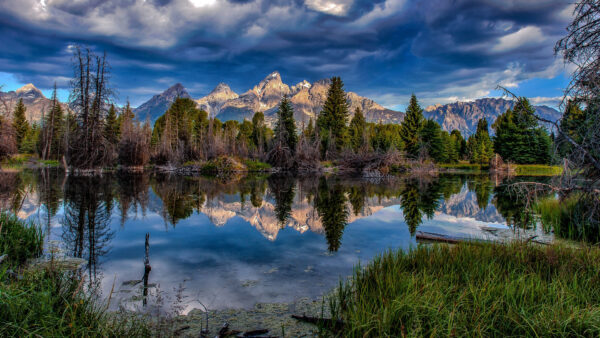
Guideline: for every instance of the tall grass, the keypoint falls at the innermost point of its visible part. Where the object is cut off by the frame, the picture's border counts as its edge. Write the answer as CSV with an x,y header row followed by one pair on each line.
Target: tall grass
x,y
48,302
538,170
566,218
19,240
473,290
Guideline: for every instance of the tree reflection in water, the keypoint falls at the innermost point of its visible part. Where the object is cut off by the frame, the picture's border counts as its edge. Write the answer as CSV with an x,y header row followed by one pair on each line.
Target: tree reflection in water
x,y
331,201
86,224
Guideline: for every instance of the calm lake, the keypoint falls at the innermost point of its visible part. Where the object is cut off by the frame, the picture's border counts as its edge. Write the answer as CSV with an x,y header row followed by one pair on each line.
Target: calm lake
x,y
234,242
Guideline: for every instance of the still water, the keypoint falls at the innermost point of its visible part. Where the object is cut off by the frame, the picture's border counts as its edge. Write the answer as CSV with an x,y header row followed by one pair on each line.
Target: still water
x,y
233,242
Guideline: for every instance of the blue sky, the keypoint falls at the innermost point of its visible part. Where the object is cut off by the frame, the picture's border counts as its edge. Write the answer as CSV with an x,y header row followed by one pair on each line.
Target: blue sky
x,y
442,50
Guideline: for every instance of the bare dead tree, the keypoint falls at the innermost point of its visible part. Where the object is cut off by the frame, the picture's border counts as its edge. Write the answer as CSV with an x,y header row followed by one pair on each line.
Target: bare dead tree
x,y
90,96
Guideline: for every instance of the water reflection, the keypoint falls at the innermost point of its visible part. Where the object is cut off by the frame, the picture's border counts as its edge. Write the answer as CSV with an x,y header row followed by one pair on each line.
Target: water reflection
x,y
243,240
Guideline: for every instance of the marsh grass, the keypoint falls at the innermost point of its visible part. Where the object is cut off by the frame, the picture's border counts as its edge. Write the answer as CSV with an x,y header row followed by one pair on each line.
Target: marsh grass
x,y
473,289
49,302
538,170
566,218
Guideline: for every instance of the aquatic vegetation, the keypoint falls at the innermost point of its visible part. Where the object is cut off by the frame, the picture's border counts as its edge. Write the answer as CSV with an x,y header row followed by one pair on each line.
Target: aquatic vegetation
x,y
47,301
473,290
567,218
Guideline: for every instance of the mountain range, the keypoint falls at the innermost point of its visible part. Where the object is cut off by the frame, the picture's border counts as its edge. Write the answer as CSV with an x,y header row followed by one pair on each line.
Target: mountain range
x,y
33,99
306,98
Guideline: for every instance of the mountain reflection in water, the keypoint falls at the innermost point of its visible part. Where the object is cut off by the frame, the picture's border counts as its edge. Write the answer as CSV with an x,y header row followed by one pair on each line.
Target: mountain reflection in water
x,y
235,242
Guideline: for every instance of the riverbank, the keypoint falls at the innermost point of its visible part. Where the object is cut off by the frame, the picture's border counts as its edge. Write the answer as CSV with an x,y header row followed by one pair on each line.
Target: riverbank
x,y
46,300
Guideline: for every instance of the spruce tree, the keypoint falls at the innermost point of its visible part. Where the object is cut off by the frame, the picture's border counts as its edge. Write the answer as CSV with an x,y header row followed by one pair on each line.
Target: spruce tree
x,y
460,143
450,148
357,128
309,132
285,127
20,123
480,146
518,137
431,138
333,119
51,141
112,126
258,131
410,128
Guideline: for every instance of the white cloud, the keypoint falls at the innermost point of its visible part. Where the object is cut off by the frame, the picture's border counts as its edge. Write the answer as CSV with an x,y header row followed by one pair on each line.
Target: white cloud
x,y
333,7
202,3
525,35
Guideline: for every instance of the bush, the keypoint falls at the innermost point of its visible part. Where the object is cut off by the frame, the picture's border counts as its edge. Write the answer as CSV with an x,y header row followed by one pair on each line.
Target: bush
x,y
256,165
222,164
473,290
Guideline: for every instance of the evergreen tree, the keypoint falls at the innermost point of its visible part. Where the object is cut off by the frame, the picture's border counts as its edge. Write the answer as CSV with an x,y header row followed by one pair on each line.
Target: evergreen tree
x,y
112,126
30,140
333,119
431,139
450,148
20,123
357,128
411,126
285,127
518,137
479,145
573,123
309,132
460,144
259,131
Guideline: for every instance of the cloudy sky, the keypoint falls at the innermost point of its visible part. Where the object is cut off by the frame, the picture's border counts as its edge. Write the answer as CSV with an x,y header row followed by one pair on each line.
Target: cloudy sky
x,y
442,50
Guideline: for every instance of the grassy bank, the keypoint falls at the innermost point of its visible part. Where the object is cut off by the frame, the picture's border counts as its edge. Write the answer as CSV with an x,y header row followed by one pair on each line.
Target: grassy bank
x,y
48,302
568,218
538,170
474,290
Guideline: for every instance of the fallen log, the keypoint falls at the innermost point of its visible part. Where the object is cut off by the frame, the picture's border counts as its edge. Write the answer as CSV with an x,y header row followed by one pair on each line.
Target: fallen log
x,y
427,236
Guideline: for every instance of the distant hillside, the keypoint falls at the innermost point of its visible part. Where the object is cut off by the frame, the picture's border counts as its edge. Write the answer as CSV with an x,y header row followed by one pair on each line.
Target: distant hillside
x,y
464,115
35,102
159,104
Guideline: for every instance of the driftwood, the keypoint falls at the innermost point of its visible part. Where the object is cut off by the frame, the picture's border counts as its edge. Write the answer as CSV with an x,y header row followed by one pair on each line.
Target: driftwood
x,y
427,236
329,323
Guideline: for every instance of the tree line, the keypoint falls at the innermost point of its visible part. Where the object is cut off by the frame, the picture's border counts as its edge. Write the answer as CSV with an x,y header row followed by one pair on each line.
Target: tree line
x,y
93,133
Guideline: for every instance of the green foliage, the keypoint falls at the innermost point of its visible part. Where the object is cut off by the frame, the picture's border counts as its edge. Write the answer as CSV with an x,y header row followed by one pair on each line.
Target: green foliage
x,y
573,123
432,141
473,290
538,170
384,137
259,131
19,240
450,148
309,131
112,126
20,123
285,127
333,119
357,130
256,165
479,146
460,143
411,126
518,137
30,141
51,144
567,217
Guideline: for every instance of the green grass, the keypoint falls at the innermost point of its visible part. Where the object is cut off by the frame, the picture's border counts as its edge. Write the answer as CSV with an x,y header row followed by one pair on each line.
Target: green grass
x,y
538,170
463,166
473,290
256,165
16,161
50,163
48,302
567,218
19,240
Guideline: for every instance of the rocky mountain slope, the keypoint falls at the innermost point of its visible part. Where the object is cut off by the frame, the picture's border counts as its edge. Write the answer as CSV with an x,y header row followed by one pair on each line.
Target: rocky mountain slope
x,y
464,115
159,104
37,104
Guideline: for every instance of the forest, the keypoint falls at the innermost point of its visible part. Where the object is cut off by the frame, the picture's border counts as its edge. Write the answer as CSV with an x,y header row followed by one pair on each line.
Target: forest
x,y
91,132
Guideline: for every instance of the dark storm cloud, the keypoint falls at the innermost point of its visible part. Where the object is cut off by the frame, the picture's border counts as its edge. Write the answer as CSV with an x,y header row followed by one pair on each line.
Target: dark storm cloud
x,y
384,49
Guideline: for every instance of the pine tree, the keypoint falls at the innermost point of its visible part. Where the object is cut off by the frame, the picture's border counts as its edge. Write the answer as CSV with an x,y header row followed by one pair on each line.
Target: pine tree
x,y
112,127
573,124
309,132
51,140
479,145
431,139
460,143
518,137
258,132
285,127
20,122
333,119
450,148
357,130
410,130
